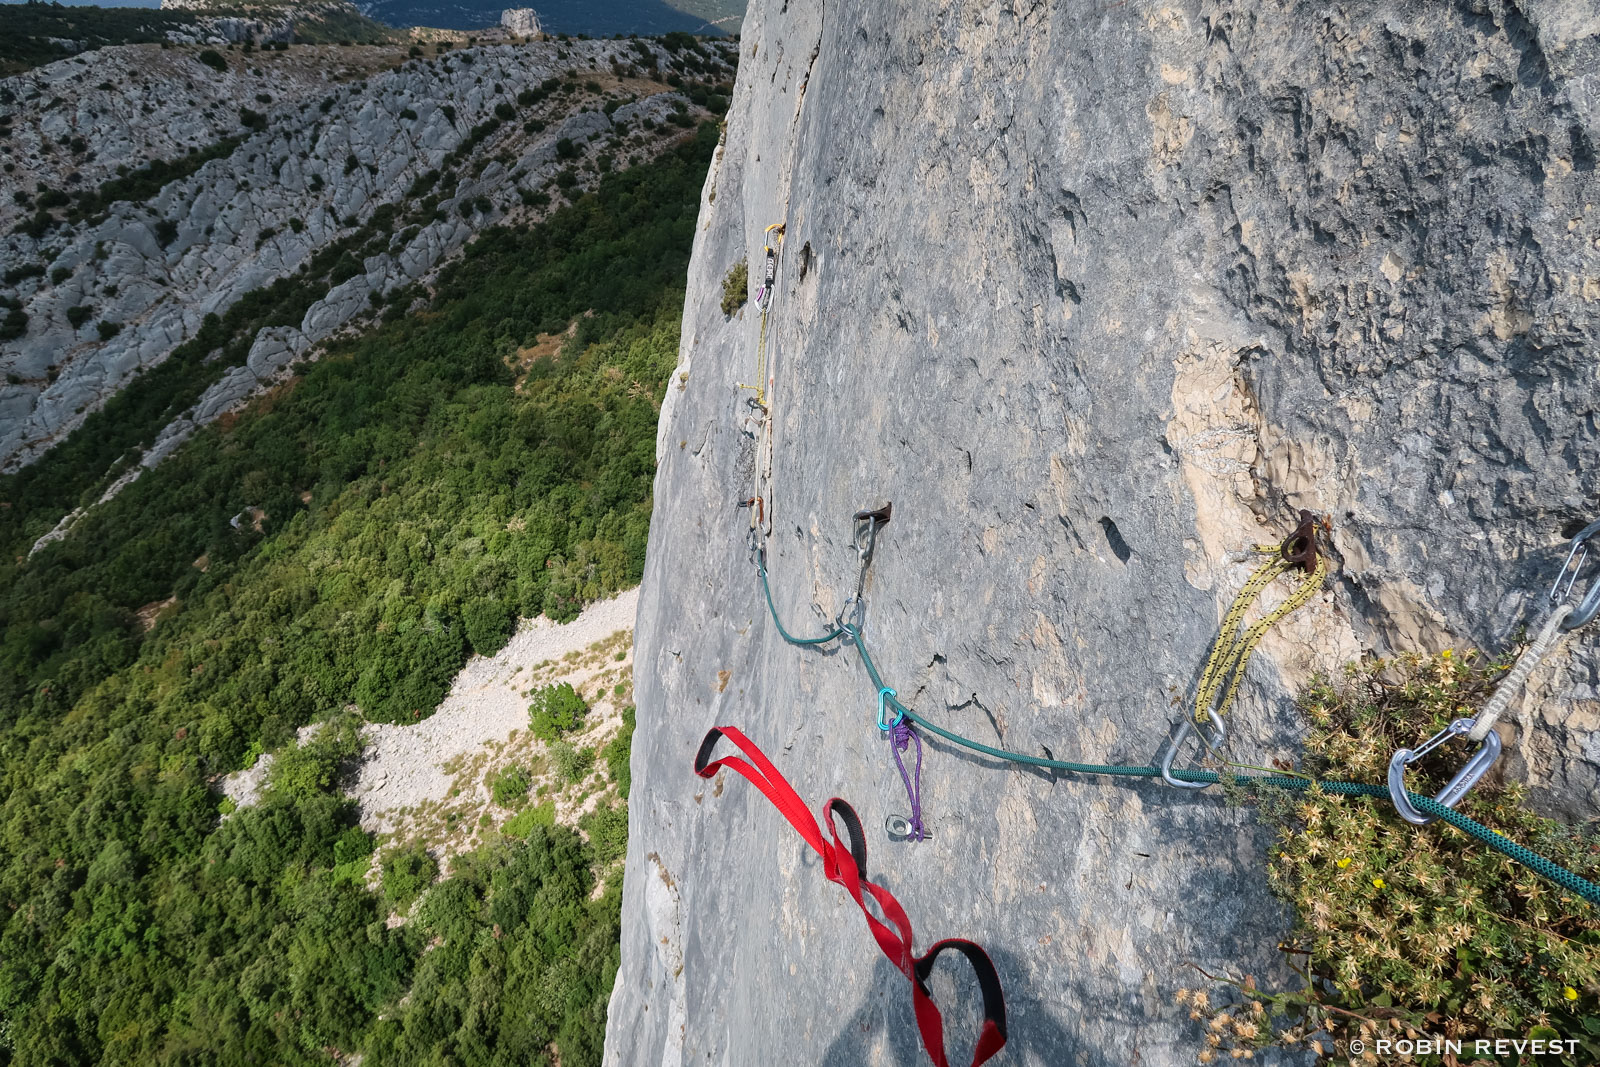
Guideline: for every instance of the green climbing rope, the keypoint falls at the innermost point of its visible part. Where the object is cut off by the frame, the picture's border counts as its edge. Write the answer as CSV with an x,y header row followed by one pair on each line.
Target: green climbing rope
x,y
838,631
1504,845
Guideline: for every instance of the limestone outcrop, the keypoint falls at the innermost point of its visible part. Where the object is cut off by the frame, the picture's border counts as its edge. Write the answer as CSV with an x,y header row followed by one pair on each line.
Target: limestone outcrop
x,y
521,21
1098,295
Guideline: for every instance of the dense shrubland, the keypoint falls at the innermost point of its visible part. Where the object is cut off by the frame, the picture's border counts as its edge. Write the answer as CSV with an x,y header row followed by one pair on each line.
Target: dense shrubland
x,y
347,541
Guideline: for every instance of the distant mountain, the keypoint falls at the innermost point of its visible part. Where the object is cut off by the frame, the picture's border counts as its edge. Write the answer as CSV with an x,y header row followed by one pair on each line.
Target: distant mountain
x,y
597,18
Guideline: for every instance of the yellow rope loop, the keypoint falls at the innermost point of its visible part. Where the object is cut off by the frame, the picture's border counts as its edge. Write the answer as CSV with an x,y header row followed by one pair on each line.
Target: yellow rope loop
x,y
1230,653
769,281
1215,670
761,363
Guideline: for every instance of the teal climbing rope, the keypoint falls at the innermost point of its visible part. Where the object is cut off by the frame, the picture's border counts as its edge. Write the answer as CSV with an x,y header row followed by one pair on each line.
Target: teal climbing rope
x,y
1504,845
837,631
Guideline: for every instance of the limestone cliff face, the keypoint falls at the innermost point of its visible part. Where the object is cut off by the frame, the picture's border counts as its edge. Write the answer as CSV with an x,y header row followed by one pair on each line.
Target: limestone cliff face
x,y
1097,294
314,174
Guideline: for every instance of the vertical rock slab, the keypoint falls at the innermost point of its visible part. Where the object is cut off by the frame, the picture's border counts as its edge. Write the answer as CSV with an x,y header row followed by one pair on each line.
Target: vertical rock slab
x,y
1098,295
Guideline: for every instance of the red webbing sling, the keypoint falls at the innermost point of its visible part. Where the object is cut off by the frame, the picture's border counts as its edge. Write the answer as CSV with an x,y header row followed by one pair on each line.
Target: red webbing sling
x,y
847,866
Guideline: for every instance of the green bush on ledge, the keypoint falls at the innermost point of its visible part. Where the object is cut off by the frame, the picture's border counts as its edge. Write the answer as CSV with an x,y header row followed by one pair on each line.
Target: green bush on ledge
x,y
1406,932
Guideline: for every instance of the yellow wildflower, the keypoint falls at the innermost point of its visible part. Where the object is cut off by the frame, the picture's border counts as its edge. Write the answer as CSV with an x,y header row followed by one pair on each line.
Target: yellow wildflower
x,y
1569,993
1342,864
1377,883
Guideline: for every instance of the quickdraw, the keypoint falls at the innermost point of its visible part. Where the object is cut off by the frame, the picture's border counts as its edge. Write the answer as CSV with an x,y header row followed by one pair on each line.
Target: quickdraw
x,y
846,864
764,303
1566,615
761,490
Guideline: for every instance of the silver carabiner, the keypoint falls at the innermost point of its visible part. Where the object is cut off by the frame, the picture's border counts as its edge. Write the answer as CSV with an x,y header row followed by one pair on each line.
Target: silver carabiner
x,y
849,630
1457,787
1589,606
1214,743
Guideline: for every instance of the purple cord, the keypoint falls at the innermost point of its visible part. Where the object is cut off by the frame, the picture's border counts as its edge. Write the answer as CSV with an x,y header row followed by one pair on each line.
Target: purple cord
x,y
900,736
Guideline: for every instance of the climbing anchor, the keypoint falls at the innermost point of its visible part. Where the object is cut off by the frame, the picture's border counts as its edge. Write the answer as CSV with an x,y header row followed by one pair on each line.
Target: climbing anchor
x,y
1300,547
1231,651
771,277
758,514
864,538
1289,783
899,828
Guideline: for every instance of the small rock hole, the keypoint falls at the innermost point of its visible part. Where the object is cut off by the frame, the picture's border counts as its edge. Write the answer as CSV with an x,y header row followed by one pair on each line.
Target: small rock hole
x,y
805,261
1114,539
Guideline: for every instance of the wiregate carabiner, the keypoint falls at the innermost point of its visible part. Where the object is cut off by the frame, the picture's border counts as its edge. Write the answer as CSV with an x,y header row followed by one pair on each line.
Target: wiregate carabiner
x,y
1589,606
1213,744
1457,787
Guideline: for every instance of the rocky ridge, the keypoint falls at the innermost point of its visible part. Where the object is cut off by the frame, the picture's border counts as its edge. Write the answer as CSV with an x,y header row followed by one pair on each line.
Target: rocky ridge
x,y
1098,296
86,120
313,175
256,23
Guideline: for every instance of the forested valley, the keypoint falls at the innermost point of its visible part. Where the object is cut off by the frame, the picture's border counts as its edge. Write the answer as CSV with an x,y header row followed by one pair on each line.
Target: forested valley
x,y
333,553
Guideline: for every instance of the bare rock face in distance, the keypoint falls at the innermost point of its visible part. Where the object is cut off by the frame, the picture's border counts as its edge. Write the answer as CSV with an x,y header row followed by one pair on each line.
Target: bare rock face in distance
x,y
521,21
1098,295
312,176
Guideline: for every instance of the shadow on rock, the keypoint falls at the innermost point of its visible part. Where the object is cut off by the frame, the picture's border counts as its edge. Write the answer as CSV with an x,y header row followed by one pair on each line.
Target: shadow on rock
x,y
883,1031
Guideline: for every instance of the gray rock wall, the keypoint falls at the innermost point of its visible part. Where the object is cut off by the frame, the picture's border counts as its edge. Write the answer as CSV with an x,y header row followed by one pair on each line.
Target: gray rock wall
x,y
1098,295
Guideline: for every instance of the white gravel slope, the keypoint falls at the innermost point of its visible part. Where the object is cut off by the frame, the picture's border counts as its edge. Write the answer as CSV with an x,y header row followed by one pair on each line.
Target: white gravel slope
x,y
403,765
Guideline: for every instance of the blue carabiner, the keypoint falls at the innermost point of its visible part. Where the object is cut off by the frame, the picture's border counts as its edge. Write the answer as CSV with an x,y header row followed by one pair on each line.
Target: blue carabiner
x,y
900,716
